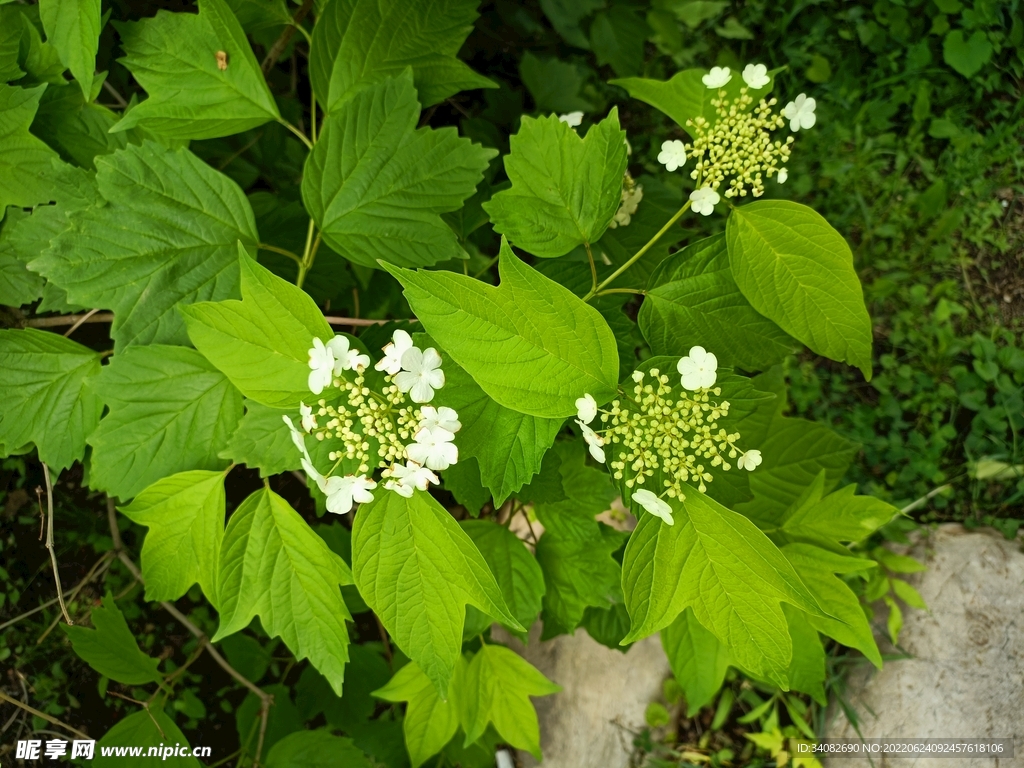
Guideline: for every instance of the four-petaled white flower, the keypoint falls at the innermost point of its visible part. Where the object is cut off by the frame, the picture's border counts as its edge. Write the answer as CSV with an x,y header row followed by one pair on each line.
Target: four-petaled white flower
x,y
672,155
782,176
593,440
421,374
698,369
717,77
321,364
800,113
346,357
756,76
654,505
573,119
308,419
391,363
586,408
433,448
405,479
749,461
344,492
704,200
443,417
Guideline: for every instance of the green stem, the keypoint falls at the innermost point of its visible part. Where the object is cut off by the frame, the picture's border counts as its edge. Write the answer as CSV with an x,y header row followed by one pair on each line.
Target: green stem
x,y
302,137
607,291
312,112
593,270
308,254
636,256
490,264
284,252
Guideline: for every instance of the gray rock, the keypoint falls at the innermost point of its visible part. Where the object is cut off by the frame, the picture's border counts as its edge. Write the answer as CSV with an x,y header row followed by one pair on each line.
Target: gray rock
x,y
966,675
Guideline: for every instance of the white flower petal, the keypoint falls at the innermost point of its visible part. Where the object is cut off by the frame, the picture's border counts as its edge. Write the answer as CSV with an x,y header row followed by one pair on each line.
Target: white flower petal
x,y
717,77
672,155
572,119
654,505
756,76
586,408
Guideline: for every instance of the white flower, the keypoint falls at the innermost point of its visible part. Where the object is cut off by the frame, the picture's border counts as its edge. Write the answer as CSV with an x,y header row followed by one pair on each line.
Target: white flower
x,y
346,358
308,419
749,461
704,200
698,370
654,505
800,113
433,448
421,374
593,440
343,492
404,480
630,202
313,474
672,155
586,408
717,77
443,417
573,119
782,176
297,437
392,360
321,364
756,76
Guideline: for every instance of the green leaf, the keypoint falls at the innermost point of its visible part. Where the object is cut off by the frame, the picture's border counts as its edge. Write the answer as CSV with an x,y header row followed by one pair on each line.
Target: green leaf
x,y
499,684
554,84
282,721
698,660
908,594
24,159
150,728
45,398
73,28
78,129
185,517
565,16
565,190
796,270
10,45
807,667
529,343
255,15
417,570
838,517
692,300
262,342
174,56
17,284
617,36
110,648
430,721
167,235
607,625
262,441
274,566
817,568
718,563
170,411
367,670
516,570
376,185
967,55
315,749
350,52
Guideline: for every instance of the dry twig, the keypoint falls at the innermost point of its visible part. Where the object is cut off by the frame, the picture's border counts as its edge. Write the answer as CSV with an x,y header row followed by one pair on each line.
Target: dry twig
x,y
49,542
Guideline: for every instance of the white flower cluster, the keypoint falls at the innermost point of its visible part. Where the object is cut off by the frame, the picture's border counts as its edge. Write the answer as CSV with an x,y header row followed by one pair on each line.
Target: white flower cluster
x,y
376,430
659,430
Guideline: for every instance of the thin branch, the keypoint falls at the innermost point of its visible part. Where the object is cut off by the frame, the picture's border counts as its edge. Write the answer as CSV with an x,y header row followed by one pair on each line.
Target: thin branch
x,y
113,92
52,322
145,706
915,504
286,35
49,542
46,717
84,319
364,322
73,593
283,251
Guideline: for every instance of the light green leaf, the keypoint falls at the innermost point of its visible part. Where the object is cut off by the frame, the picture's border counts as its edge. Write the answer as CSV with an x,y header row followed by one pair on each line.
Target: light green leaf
x,y
73,28
44,395
554,84
529,343
350,52
807,667
17,284
185,516
262,441
617,36
376,185
716,562
698,660
817,567
838,517
79,130
565,190
174,56
73,189
40,60
151,728
795,269
273,565
692,299
10,45
110,648
430,721
905,592
170,411
316,749
499,684
167,234
516,570
262,342
417,570
24,159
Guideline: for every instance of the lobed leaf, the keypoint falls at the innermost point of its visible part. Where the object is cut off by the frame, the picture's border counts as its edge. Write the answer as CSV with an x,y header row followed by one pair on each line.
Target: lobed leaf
x,y
150,727
698,659
24,159
515,569
261,441
73,28
110,648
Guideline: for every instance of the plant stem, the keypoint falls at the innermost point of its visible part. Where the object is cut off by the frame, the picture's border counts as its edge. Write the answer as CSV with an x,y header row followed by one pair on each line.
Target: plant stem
x,y
607,291
49,542
283,251
302,137
636,256
307,260
286,35
593,270
46,717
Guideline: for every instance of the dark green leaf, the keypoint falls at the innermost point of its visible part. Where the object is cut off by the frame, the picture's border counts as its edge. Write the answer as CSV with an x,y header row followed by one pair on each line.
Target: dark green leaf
x,y
519,577
315,749
110,648
24,159
73,28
